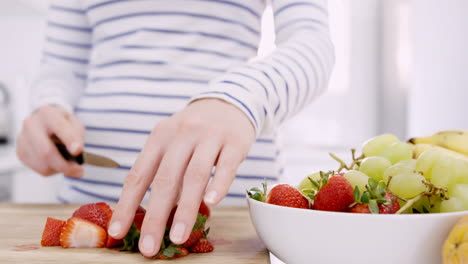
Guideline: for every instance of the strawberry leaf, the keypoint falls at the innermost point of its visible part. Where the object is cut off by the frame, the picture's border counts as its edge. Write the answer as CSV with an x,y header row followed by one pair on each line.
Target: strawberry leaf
x,y
373,207
200,222
256,194
357,194
131,239
170,251
372,183
365,198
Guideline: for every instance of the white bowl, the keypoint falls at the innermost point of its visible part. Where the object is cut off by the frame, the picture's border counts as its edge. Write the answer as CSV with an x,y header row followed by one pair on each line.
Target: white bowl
x,y
300,236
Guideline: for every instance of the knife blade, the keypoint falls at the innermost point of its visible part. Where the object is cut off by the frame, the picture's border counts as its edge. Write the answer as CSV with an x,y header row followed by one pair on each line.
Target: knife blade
x,y
84,157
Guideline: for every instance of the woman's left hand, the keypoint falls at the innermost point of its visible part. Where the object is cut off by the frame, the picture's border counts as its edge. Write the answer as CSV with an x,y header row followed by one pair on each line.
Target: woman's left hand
x,y
177,161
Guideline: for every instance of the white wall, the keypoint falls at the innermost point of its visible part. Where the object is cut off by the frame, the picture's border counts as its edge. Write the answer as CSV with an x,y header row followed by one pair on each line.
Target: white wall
x,y
21,28
438,98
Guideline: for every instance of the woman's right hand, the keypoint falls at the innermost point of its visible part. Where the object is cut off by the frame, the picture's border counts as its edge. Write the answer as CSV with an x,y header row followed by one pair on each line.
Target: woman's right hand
x,y
36,149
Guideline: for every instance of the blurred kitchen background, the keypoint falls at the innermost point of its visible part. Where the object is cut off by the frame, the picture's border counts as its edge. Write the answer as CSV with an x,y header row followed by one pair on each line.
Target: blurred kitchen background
x,y
401,67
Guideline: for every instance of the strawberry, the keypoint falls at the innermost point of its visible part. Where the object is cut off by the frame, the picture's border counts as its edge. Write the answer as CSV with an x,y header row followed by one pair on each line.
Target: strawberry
x,y
98,213
204,209
172,252
197,231
287,195
335,195
112,242
81,233
203,246
360,209
390,207
375,199
139,216
51,233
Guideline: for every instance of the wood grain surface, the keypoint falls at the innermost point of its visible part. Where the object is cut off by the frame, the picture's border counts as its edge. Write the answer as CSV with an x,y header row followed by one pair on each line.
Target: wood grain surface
x,y
21,230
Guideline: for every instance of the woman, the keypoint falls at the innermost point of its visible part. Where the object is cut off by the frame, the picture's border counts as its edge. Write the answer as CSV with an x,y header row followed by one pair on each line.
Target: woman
x,y
167,90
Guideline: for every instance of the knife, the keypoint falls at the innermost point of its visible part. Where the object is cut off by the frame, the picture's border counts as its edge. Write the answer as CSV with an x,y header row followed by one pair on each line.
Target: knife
x,y
84,157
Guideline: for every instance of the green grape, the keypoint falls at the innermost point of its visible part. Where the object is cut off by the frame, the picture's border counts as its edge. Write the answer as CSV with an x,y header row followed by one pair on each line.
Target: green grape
x,y
375,145
460,191
374,167
431,204
306,184
397,151
443,173
436,202
407,185
357,178
426,162
405,166
408,163
452,205
423,205
461,171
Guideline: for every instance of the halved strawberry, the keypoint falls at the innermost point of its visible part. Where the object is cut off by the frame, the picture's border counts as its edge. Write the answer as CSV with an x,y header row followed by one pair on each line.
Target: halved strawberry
x,y
112,242
98,213
51,233
197,231
81,233
139,216
204,210
203,246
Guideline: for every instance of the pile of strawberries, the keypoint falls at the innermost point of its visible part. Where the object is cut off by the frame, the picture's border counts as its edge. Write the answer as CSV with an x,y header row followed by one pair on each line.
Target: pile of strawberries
x,y
87,228
332,192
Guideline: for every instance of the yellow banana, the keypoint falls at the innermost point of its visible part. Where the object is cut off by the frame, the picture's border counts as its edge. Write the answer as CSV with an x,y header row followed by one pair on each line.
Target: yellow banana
x,y
455,248
418,149
456,140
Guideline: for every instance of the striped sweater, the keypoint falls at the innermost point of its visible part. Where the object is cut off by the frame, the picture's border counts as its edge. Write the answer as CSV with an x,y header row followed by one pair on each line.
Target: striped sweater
x,y
121,66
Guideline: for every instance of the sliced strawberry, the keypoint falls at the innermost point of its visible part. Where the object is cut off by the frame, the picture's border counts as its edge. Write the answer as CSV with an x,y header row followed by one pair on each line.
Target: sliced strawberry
x,y
81,233
112,242
197,231
203,246
51,233
98,213
139,216
194,237
204,209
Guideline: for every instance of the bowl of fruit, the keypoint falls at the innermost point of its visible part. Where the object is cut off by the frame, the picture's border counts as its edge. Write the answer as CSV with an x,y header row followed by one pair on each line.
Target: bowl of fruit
x,y
396,202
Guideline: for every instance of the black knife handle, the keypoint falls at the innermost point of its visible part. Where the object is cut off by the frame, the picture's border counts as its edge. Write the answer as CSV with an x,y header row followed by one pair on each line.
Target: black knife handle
x,y
64,152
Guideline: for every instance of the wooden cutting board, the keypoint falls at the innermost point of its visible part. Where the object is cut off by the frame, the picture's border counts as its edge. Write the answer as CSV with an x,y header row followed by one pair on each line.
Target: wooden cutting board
x,y
21,228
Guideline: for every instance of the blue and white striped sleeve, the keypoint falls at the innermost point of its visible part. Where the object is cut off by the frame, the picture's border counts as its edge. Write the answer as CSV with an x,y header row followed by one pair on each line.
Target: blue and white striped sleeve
x,y
65,56
271,90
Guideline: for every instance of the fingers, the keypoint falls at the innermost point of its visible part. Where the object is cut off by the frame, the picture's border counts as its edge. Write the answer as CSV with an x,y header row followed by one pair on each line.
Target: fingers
x,y
45,151
195,180
136,184
164,192
64,127
226,168
24,153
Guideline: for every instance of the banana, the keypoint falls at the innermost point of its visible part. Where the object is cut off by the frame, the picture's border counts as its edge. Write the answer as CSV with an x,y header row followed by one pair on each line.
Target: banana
x,y
456,140
418,149
455,248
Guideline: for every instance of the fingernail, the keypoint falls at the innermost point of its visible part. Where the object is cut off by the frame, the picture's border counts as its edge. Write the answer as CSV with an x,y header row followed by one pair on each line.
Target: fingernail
x,y
178,232
75,147
114,229
147,244
210,198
